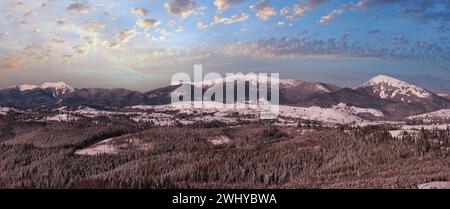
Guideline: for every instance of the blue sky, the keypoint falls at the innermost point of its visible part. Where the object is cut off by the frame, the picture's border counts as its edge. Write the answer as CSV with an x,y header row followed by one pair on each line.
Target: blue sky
x,y
140,44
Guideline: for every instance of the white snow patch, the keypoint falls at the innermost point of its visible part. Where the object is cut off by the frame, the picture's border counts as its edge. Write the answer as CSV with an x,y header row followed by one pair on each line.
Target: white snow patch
x,y
91,112
61,117
27,87
401,133
159,119
321,87
358,110
435,185
6,110
220,140
102,147
142,107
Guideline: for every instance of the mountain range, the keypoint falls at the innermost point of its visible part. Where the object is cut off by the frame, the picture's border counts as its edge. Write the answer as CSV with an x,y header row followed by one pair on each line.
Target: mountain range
x,y
394,97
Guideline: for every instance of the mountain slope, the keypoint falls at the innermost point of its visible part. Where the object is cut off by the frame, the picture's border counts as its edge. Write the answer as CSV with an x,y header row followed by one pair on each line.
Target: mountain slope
x,y
386,87
57,89
32,98
102,98
291,91
350,97
51,95
160,96
408,98
305,91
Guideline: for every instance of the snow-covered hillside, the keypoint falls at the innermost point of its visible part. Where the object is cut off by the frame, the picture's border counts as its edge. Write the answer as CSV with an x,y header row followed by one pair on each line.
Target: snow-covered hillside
x,y
443,114
103,147
338,114
357,110
61,118
327,115
6,110
58,88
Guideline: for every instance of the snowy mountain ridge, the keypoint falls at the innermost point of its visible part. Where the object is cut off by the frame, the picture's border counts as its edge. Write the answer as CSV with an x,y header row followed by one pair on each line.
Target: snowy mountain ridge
x,y
251,78
57,88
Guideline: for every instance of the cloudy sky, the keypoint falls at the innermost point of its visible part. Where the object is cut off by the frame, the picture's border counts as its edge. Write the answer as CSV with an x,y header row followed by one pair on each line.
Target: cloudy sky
x,y
139,44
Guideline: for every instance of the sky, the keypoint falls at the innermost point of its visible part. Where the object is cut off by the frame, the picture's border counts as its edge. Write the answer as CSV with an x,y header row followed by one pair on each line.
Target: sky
x,y
140,44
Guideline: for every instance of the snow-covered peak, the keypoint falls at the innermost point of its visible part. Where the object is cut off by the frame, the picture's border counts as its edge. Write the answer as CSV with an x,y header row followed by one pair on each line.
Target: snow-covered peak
x,y
58,88
27,87
383,79
57,85
390,81
389,87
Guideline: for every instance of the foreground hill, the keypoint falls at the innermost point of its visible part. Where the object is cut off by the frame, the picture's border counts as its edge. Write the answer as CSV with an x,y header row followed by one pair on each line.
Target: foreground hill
x,y
114,154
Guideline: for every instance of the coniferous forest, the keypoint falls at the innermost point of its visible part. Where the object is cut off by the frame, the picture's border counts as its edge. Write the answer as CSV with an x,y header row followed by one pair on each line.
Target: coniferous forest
x,y
37,154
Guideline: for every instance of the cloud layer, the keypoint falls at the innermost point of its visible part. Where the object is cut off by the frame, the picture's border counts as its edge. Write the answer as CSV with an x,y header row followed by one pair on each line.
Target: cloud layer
x,y
153,35
263,10
181,8
225,4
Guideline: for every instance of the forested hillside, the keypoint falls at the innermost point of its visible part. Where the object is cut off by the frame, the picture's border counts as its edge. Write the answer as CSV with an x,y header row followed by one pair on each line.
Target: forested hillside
x,y
211,155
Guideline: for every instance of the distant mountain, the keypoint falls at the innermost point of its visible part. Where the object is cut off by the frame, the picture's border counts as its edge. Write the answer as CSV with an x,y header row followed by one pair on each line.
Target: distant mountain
x,y
350,97
34,96
29,98
291,91
51,95
251,79
386,87
412,97
57,89
303,92
160,96
393,97
97,97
